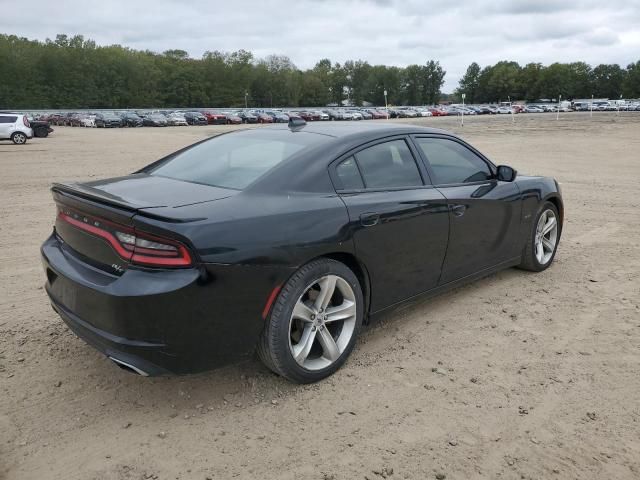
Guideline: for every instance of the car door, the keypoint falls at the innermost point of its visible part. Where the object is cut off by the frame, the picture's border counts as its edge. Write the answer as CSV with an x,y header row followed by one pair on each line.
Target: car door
x,y
484,212
399,222
6,125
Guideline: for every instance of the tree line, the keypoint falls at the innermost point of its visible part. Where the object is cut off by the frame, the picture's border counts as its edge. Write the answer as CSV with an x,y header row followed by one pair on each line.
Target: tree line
x,y
535,81
74,72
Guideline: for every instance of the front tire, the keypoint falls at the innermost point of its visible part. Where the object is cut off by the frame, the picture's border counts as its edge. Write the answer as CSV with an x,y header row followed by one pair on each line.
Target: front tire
x,y
542,243
314,322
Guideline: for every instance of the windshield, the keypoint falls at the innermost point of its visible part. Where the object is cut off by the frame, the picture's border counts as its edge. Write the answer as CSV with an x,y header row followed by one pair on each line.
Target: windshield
x,y
236,160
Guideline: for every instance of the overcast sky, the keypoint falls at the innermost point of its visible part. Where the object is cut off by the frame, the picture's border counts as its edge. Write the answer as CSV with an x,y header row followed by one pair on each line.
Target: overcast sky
x,y
391,32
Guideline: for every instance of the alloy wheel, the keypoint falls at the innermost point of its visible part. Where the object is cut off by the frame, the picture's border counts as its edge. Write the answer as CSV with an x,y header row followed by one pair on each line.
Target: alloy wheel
x,y
546,237
19,138
322,322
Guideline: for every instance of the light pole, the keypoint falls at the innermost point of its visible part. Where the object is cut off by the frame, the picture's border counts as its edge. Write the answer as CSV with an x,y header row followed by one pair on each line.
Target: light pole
x,y
591,107
246,94
619,102
386,105
462,116
513,119
558,111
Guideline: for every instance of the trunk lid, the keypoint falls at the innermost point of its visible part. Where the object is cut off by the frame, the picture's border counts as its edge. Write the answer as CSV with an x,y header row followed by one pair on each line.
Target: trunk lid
x,y
140,191
92,216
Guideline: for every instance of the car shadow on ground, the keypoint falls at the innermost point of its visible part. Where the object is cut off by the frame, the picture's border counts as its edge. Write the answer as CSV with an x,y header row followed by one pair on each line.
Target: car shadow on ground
x,y
250,383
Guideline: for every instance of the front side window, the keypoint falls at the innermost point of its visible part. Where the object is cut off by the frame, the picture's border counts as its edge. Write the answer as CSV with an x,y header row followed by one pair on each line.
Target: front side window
x,y
452,162
388,165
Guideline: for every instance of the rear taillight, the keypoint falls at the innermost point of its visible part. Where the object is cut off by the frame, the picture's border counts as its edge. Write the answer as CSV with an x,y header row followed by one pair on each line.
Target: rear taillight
x,y
136,247
25,120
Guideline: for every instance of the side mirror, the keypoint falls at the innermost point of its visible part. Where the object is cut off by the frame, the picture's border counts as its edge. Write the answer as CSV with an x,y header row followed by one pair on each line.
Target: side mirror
x,y
506,174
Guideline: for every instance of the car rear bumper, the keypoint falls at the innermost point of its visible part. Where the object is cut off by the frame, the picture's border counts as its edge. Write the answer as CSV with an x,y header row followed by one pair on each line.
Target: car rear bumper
x,y
161,321
138,356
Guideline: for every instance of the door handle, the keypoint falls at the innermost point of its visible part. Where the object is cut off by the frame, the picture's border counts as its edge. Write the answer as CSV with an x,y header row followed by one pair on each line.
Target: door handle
x,y
458,210
369,219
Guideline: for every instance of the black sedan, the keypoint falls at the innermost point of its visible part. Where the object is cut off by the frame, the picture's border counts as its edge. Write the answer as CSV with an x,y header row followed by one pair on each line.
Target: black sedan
x,y
247,117
155,120
107,120
195,118
285,241
131,119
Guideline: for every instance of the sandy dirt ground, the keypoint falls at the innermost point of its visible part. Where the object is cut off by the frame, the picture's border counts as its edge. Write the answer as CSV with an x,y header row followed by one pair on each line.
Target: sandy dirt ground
x,y
517,376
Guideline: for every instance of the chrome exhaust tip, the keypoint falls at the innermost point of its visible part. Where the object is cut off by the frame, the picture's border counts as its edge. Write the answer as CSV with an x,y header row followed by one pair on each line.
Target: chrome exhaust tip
x,y
128,367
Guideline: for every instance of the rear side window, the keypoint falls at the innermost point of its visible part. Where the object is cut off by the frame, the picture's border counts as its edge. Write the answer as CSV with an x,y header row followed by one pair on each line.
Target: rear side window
x,y
6,119
388,165
236,160
452,162
349,175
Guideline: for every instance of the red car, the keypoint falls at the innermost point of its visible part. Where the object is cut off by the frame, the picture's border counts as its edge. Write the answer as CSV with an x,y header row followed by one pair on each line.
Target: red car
x,y
263,117
308,116
436,112
377,114
55,119
294,116
215,118
233,119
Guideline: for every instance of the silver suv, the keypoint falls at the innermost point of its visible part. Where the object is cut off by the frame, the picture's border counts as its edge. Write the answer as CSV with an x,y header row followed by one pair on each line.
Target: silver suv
x,y
15,127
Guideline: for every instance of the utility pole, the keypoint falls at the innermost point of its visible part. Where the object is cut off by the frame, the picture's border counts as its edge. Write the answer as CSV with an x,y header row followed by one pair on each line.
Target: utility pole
x,y
386,105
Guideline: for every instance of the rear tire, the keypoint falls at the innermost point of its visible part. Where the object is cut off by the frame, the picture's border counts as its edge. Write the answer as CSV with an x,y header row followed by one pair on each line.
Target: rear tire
x,y
19,138
296,343
542,243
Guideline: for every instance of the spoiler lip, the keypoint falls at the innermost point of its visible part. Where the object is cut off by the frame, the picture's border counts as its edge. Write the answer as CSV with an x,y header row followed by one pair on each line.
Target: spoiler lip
x,y
80,191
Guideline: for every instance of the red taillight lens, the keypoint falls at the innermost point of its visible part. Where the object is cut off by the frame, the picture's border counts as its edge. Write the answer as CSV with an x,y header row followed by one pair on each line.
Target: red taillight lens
x,y
137,247
25,120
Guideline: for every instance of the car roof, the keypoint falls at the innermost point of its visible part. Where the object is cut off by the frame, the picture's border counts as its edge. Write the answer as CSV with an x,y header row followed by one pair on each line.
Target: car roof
x,y
305,171
343,130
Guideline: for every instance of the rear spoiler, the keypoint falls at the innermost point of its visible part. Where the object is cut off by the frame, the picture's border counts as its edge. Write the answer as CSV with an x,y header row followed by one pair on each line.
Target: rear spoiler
x,y
78,191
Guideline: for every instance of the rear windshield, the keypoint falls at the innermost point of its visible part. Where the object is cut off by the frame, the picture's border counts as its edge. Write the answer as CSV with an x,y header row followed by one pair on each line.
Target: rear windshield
x,y
238,159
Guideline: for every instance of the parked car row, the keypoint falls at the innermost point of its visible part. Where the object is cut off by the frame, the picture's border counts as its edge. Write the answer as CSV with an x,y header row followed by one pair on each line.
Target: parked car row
x,y
163,118
538,108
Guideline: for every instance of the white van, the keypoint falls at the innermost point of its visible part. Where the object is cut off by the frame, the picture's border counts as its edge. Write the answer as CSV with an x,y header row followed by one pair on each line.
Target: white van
x,y
15,127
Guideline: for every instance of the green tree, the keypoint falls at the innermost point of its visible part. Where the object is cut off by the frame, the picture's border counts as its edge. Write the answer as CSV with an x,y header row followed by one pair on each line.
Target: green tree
x,y
530,81
469,83
432,81
608,80
631,83
413,84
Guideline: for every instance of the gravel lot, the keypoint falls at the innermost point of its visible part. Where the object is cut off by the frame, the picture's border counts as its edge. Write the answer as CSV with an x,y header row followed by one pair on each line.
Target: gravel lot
x,y
518,375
